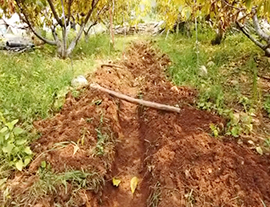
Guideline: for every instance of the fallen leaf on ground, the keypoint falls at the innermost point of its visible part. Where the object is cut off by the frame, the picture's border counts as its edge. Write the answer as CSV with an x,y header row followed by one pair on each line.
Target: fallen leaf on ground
x,y
133,184
116,182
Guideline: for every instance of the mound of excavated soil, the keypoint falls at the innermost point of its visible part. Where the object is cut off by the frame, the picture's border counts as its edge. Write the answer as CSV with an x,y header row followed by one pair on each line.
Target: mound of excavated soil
x,y
175,159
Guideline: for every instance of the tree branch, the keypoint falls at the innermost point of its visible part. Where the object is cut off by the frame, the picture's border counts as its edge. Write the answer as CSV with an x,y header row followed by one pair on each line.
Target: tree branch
x,y
75,41
93,6
69,11
79,34
242,28
97,18
243,17
27,21
64,29
54,12
58,43
137,101
258,27
88,29
230,5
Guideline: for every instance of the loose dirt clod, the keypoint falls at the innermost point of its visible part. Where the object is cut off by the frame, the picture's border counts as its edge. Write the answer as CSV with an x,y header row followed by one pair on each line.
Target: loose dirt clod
x,y
176,161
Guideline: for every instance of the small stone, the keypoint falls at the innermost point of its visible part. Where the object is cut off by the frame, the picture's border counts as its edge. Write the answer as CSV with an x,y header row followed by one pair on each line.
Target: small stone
x,y
210,64
187,174
39,205
203,71
251,142
79,81
234,82
236,117
175,89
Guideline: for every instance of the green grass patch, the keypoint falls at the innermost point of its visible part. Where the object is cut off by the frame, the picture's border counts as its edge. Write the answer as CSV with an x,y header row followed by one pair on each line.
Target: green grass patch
x,y
30,82
69,182
231,83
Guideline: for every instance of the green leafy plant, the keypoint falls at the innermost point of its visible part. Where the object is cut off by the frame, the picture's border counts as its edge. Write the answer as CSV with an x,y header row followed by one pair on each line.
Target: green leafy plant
x,y
104,139
215,130
240,123
267,142
14,144
266,105
245,102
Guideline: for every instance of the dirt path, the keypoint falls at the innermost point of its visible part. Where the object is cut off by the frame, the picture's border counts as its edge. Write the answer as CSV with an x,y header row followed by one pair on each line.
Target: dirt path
x,y
129,153
175,159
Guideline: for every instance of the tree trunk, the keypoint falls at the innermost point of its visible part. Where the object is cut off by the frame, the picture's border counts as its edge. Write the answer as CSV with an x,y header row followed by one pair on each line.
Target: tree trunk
x,y
63,48
218,38
64,33
62,51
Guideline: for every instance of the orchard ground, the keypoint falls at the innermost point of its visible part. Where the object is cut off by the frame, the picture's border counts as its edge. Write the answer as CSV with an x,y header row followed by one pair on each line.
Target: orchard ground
x,y
201,156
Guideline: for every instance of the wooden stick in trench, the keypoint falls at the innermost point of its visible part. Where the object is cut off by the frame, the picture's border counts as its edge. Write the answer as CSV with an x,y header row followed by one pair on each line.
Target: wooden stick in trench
x,y
134,100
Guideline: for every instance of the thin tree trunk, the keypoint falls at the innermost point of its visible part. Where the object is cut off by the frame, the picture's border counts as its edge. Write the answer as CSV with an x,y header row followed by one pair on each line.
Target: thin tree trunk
x,y
111,26
77,38
54,12
64,35
86,32
69,12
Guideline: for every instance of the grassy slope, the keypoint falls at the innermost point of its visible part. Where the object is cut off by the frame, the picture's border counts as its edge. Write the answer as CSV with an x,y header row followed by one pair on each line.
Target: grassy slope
x,y
30,81
231,85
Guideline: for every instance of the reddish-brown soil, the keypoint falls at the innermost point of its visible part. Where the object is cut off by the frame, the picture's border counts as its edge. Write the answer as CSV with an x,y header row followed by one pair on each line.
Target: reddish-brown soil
x,y
173,155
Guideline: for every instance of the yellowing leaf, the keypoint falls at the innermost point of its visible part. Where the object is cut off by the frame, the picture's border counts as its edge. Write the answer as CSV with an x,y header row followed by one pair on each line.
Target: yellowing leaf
x,y
76,148
19,165
27,161
116,182
28,151
248,3
259,150
3,130
133,184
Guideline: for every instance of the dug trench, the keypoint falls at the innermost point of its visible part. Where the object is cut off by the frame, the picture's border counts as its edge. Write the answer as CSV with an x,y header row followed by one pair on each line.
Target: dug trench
x,y
176,160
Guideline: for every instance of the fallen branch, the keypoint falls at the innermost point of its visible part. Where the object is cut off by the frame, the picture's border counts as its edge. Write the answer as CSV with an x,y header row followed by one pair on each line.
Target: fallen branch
x,y
264,77
112,66
134,100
